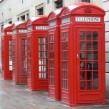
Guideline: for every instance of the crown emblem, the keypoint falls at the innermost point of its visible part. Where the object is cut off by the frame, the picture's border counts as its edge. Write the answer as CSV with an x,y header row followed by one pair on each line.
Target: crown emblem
x,y
88,10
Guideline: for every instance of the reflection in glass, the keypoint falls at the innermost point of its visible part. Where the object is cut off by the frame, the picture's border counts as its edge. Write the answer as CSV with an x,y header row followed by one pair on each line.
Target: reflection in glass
x,y
89,55
82,56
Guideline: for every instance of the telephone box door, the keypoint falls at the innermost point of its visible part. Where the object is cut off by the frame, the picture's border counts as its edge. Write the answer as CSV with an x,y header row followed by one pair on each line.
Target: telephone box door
x,y
89,62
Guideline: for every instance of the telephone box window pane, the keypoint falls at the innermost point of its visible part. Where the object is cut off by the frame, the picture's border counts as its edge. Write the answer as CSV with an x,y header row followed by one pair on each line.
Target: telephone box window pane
x,y
89,61
95,55
89,85
82,36
43,60
95,45
64,61
89,75
82,55
88,35
82,45
82,75
95,84
89,56
95,35
82,85
51,59
88,65
95,66
95,75
88,46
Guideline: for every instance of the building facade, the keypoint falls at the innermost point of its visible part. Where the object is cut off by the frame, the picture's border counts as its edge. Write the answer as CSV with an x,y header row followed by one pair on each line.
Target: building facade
x,y
106,19
14,10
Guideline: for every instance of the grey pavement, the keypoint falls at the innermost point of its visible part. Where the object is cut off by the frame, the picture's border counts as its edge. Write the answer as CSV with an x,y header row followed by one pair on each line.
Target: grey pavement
x,y
18,97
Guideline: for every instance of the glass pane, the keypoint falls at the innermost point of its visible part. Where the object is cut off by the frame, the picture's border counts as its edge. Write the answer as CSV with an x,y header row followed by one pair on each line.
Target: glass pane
x,y
95,75
82,65
88,46
82,85
95,35
51,38
89,65
95,66
95,55
82,45
82,56
89,85
89,55
95,84
88,36
95,45
82,75
89,75
82,35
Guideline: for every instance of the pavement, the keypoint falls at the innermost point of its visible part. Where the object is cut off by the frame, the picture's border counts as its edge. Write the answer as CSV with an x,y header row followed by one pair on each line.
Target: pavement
x,y
19,97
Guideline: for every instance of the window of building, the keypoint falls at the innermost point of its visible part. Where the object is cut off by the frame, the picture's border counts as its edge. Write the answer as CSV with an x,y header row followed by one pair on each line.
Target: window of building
x,y
48,1
86,1
10,22
2,24
58,3
23,17
27,16
40,9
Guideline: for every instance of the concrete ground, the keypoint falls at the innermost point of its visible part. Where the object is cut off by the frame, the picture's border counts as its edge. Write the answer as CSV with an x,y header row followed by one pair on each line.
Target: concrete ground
x,y
18,97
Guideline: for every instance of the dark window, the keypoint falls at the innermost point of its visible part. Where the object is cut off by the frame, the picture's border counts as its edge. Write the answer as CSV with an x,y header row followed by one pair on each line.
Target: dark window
x,y
58,3
86,1
10,22
48,1
40,11
23,17
18,19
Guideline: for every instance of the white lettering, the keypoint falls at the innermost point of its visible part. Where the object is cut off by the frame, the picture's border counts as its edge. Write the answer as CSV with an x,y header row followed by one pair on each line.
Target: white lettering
x,y
22,31
41,27
87,19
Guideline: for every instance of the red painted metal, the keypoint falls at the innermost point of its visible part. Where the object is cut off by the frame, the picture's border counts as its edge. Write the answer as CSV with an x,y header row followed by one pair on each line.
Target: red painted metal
x,y
37,56
82,55
7,52
19,53
54,51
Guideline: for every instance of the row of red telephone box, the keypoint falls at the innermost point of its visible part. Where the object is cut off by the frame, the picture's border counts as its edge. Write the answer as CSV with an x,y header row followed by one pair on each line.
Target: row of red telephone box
x,y
62,53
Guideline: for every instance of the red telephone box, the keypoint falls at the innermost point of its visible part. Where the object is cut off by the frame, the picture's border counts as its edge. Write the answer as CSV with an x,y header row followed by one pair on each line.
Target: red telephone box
x,y
54,51
7,52
37,56
19,53
82,54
